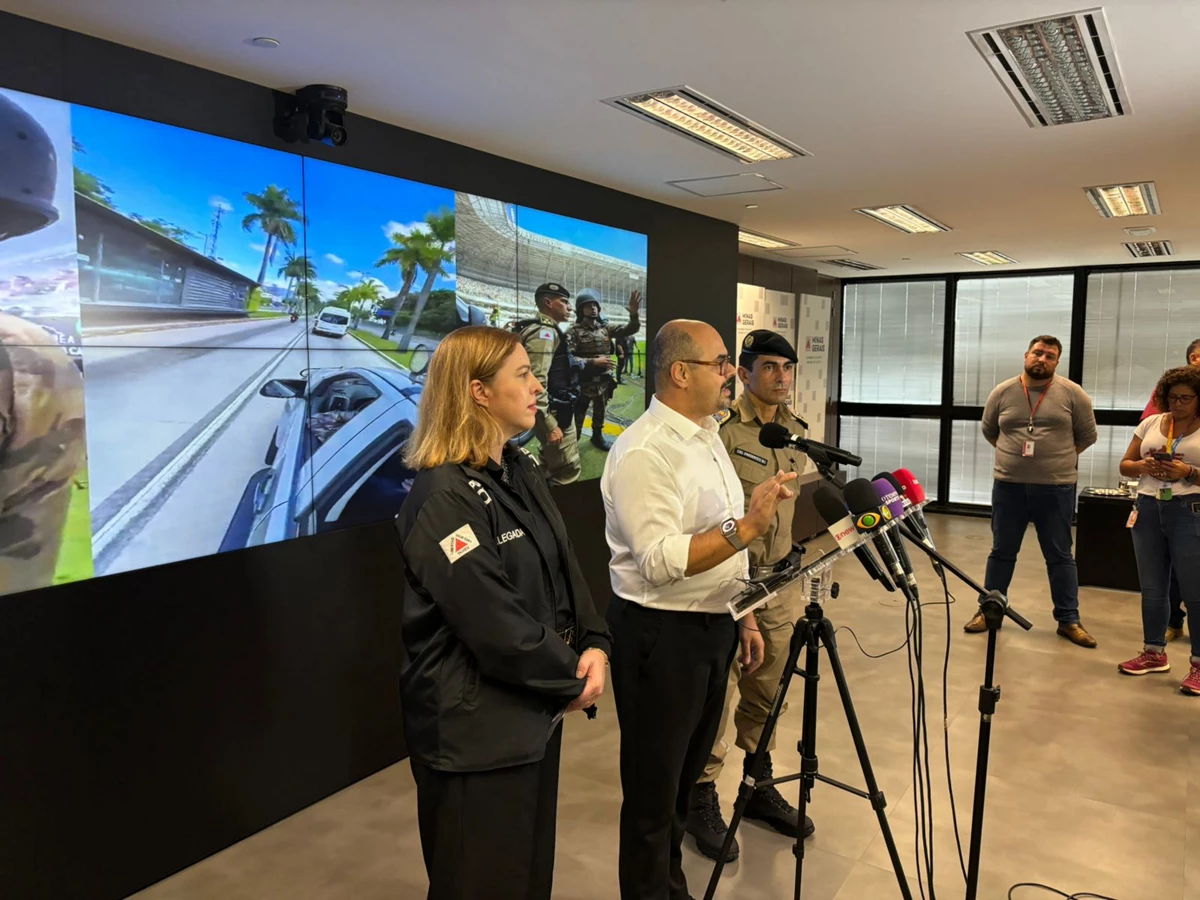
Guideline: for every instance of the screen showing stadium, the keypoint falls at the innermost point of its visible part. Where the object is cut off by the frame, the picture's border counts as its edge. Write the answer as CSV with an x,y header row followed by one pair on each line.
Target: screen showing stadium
x,y
207,345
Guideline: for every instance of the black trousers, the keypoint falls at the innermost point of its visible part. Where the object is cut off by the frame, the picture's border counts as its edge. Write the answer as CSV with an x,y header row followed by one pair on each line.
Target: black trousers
x,y
490,834
669,675
599,405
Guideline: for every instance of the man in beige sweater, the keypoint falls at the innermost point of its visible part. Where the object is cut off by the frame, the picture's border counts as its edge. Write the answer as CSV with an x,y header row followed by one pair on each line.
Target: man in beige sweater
x,y
1039,424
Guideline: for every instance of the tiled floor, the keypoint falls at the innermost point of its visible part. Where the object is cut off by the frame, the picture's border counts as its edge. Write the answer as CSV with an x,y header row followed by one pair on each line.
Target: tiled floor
x,y
1094,781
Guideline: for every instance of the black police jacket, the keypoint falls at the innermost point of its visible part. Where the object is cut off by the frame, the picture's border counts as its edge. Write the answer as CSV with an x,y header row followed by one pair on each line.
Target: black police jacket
x,y
486,671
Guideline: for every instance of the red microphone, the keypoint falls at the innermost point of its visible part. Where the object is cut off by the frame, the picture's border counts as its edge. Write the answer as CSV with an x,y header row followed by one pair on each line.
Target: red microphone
x,y
912,494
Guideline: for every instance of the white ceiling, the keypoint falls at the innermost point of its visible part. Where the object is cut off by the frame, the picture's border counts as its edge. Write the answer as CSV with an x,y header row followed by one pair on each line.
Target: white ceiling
x,y
889,96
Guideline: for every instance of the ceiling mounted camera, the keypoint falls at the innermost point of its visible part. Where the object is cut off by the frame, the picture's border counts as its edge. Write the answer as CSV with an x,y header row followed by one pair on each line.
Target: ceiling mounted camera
x,y
317,113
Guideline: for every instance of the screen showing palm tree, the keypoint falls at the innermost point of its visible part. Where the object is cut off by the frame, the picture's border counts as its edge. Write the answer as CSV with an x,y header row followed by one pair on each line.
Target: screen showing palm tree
x,y
232,338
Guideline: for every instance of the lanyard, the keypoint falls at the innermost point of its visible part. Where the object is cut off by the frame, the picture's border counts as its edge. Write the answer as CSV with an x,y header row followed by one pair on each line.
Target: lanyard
x,y
1171,432
1032,408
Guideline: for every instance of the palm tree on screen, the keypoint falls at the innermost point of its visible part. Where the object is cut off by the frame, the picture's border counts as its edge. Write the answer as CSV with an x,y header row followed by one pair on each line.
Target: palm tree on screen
x,y
275,213
405,254
435,256
297,269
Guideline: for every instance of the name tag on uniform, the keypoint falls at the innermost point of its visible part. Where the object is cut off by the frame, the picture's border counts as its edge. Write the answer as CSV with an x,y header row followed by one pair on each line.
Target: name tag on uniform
x,y
738,451
1027,448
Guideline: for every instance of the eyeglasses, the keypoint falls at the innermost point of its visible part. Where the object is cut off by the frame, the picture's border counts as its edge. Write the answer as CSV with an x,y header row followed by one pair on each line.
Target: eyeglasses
x,y
1181,398
719,363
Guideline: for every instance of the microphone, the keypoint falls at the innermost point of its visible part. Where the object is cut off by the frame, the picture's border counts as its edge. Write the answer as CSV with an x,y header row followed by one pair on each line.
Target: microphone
x,y
912,493
890,498
776,437
863,500
832,508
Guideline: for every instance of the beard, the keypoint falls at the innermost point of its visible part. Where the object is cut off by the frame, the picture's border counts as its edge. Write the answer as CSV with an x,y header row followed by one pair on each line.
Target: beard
x,y
726,400
1037,370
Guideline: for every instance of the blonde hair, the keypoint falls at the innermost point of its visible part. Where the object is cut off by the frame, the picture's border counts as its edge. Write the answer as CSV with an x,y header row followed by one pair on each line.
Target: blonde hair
x,y
451,426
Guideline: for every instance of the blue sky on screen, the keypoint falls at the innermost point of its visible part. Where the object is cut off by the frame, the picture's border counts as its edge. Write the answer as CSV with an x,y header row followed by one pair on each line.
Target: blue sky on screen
x,y
162,172
352,211
181,176
615,242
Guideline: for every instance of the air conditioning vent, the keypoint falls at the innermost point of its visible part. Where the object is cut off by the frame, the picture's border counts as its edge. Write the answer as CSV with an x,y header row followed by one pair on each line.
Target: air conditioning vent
x,y
1057,70
856,264
1147,249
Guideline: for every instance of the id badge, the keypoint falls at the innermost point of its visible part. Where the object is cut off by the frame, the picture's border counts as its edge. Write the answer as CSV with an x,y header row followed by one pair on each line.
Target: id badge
x,y
1165,493
1027,448
1132,520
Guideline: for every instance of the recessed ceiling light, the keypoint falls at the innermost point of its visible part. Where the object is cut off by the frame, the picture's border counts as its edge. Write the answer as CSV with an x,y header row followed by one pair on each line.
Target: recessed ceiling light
x,y
1143,249
856,264
751,206
762,240
1057,70
268,43
904,218
1144,231
1136,199
988,258
686,111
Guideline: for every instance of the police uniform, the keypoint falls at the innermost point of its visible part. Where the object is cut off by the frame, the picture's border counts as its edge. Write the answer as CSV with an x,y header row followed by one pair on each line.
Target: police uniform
x,y
754,463
495,614
593,341
41,390
550,359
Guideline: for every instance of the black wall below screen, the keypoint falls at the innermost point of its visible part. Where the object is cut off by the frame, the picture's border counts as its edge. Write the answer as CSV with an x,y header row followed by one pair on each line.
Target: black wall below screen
x,y
150,719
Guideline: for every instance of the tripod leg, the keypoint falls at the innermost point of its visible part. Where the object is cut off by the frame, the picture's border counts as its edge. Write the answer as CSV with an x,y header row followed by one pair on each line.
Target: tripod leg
x,y
808,740
878,803
989,694
746,788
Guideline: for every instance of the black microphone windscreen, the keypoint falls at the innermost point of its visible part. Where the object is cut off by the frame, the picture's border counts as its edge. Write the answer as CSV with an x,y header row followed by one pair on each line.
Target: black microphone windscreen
x,y
829,504
861,496
773,435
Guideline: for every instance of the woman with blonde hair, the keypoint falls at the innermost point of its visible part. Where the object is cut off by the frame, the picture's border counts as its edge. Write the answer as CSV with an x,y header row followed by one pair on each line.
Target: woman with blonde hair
x,y
499,629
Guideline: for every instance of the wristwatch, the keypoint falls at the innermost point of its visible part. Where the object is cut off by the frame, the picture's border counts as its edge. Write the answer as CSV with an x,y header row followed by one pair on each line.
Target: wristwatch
x,y
729,529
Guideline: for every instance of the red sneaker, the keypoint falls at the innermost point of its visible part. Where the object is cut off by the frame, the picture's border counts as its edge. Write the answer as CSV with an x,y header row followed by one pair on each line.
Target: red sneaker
x,y
1145,663
1191,684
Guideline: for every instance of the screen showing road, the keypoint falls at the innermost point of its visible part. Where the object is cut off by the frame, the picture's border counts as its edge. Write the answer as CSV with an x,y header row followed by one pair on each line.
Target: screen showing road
x,y
207,345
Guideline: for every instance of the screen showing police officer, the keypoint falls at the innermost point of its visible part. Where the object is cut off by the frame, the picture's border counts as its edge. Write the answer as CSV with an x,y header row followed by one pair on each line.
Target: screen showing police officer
x,y
44,523
521,265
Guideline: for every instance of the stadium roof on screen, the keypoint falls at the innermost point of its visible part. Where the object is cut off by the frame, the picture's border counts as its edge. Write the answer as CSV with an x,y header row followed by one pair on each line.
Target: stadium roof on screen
x,y
488,228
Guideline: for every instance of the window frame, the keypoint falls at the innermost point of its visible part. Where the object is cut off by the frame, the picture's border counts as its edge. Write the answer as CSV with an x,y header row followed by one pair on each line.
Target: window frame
x,y
947,412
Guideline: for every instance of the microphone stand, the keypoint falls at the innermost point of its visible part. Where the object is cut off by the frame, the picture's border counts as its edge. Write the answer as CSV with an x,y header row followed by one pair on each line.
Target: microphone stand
x,y
995,608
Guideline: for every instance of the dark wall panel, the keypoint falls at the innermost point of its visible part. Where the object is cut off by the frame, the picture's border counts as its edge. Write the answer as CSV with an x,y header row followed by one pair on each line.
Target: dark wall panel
x,y
150,719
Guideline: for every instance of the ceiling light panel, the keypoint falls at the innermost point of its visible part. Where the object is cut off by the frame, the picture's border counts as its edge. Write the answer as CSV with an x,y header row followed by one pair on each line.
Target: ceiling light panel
x,y
1058,70
766,242
1117,200
903,218
727,185
856,264
690,113
988,258
1147,249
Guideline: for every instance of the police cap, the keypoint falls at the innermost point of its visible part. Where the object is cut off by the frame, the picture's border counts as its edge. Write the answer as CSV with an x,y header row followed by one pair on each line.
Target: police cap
x,y
767,343
551,289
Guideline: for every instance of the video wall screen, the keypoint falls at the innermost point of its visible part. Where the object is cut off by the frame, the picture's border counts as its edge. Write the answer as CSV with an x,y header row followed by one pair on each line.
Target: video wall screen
x,y
207,345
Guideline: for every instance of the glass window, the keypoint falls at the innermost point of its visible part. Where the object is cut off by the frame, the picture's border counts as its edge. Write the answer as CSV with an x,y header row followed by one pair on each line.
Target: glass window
x,y
890,444
995,318
1139,324
971,463
892,337
1099,464
971,460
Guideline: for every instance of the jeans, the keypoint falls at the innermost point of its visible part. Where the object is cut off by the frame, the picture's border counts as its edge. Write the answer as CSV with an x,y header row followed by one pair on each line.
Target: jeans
x,y
1166,539
1049,507
1178,611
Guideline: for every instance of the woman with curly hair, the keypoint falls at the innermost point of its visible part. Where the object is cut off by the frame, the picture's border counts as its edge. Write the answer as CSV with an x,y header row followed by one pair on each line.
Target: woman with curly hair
x,y
1164,455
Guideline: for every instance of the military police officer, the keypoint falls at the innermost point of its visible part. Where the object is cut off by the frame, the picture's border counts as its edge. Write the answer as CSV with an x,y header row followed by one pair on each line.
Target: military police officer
x,y
591,342
766,368
41,390
553,366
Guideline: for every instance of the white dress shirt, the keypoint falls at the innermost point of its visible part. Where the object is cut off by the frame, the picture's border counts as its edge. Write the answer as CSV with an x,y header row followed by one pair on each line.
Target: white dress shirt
x,y
666,479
